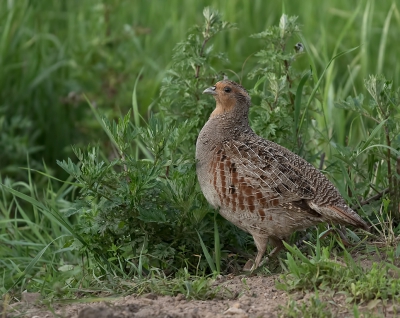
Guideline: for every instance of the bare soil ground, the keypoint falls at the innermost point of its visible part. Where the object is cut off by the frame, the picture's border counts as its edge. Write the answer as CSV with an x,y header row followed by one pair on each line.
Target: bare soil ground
x,y
241,297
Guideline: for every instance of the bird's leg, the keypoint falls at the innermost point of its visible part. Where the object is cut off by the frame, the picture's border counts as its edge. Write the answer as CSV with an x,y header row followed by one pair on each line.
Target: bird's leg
x,y
343,235
248,267
261,244
278,246
341,231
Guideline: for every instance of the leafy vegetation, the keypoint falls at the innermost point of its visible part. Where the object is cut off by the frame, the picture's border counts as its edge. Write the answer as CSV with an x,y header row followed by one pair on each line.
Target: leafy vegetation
x,y
315,308
129,207
323,272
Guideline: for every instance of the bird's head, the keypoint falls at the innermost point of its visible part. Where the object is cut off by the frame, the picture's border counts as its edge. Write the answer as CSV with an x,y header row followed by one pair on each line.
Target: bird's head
x,y
230,97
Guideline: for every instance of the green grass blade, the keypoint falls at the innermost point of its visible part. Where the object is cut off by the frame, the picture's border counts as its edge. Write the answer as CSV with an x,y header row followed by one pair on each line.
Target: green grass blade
x,y
48,72
314,91
296,252
384,37
137,116
395,151
372,135
297,101
100,121
260,81
5,35
207,254
50,214
33,262
135,105
49,176
217,246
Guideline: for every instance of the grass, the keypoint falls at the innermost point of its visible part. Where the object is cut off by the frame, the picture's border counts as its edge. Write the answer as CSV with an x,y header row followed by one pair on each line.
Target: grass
x,y
322,272
65,64
334,284
363,279
99,48
314,308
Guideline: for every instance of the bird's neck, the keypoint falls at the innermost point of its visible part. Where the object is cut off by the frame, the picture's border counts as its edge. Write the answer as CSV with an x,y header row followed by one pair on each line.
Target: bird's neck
x,y
231,123
223,108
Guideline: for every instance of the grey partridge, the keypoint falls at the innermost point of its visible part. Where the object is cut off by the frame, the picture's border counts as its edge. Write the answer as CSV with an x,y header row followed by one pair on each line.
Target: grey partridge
x,y
258,185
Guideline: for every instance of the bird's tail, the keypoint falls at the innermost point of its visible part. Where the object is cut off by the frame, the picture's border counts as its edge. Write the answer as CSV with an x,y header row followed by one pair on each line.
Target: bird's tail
x,y
349,216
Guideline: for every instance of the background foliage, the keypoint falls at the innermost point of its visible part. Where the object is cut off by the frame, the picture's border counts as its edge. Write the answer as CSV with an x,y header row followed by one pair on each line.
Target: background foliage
x,y
127,78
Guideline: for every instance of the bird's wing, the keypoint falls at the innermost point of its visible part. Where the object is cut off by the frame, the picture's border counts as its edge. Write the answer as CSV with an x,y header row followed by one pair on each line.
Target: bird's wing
x,y
269,170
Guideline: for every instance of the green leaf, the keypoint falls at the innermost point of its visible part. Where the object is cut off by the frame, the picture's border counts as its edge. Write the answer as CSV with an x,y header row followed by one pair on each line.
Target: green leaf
x,y
353,104
217,245
295,251
372,135
316,87
33,262
260,81
207,254
151,215
297,102
48,212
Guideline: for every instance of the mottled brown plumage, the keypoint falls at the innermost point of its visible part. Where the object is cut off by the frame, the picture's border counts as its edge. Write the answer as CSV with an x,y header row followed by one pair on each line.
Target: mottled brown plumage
x,y
260,186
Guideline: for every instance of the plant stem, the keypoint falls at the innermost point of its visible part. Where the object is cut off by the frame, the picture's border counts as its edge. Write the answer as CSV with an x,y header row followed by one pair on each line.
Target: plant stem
x,y
289,80
385,116
388,157
373,198
321,162
206,39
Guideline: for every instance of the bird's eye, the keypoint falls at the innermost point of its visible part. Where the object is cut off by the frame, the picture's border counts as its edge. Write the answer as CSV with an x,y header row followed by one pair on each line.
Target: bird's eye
x,y
227,89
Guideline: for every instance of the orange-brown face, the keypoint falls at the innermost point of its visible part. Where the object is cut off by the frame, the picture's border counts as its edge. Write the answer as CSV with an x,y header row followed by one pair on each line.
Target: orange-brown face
x,y
228,94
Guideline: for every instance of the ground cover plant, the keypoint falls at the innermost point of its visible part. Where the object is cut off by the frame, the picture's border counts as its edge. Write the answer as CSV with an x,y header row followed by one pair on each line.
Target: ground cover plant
x,y
121,212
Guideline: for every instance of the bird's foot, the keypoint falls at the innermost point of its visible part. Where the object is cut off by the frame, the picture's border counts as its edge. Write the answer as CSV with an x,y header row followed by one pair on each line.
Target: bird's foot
x,y
248,267
342,234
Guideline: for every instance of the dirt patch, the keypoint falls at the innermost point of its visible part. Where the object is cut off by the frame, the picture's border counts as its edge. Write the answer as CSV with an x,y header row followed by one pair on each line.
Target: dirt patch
x,y
239,296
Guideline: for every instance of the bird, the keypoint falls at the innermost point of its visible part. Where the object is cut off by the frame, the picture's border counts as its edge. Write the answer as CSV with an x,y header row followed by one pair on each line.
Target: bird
x,y
259,186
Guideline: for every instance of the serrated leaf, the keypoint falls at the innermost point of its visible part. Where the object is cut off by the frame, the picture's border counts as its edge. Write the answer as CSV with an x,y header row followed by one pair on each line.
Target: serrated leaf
x,y
151,215
352,103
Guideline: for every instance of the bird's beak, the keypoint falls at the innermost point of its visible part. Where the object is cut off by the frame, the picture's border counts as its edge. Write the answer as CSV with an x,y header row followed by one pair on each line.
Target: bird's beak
x,y
210,90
